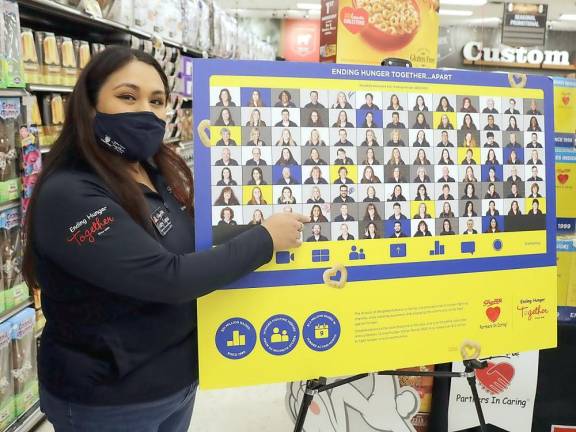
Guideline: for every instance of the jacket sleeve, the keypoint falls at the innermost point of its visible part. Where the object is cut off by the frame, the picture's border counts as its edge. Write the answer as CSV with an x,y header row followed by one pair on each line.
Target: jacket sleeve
x,y
81,229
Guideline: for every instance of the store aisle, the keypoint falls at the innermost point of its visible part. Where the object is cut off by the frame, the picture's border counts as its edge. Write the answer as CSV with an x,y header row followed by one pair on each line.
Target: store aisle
x,y
247,409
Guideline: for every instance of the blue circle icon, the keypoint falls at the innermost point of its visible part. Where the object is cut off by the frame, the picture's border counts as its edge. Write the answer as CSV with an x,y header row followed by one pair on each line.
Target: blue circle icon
x,y
235,338
279,334
321,331
497,244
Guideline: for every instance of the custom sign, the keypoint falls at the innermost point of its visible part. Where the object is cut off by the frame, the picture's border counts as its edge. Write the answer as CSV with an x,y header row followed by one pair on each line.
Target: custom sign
x,y
432,194
367,32
524,24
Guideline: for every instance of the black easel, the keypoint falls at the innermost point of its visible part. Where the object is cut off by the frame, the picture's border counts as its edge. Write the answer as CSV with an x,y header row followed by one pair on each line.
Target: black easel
x,y
319,385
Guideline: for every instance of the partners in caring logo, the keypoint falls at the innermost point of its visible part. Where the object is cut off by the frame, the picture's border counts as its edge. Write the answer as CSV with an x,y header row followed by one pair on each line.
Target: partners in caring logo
x,y
496,377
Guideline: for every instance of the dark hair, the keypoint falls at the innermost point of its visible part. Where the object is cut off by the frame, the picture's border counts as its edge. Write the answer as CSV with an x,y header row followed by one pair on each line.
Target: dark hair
x,y
77,146
224,210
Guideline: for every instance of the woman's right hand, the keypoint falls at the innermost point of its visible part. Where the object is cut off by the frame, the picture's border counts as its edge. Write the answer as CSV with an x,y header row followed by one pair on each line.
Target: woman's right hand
x,y
285,230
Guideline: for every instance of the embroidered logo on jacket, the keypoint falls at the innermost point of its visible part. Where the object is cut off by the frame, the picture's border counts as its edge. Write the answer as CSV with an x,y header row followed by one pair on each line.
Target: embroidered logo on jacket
x,y
88,229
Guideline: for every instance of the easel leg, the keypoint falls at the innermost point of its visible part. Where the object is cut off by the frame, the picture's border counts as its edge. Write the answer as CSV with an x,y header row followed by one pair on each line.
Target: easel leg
x,y
471,378
311,388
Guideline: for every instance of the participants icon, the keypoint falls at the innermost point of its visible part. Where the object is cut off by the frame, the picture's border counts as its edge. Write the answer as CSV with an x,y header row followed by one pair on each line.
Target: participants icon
x,y
279,334
356,254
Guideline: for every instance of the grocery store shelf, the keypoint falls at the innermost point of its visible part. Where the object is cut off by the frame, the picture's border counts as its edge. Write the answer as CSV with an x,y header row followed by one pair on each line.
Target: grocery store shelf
x,y
8,204
41,11
172,140
49,88
16,309
28,421
12,92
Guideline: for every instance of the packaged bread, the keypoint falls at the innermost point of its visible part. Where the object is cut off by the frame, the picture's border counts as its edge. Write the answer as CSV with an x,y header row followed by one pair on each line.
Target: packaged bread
x,y
30,57
83,54
57,109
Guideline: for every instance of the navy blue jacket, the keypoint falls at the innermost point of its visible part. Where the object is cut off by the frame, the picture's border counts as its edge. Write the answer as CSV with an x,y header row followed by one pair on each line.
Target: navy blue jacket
x,y
120,300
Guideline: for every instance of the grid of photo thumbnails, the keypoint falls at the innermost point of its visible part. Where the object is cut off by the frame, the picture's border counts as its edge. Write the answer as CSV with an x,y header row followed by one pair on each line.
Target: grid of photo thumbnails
x,y
367,165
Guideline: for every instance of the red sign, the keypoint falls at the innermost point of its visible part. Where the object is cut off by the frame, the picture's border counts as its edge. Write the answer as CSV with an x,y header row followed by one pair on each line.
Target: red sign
x,y
301,40
563,428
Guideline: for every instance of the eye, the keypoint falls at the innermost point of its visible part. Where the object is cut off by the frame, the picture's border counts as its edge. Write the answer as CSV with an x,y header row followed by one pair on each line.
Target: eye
x,y
127,97
158,102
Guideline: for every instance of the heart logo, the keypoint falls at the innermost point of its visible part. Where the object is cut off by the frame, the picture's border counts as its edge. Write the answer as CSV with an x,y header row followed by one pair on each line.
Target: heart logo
x,y
517,80
333,272
470,350
495,378
563,178
493,313
565,99
203,126
354,19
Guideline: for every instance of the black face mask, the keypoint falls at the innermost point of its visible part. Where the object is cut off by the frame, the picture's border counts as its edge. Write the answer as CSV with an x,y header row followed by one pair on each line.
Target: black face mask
x,y
136,136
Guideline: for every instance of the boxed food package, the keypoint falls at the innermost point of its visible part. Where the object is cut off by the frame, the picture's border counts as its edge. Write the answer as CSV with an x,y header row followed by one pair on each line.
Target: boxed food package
x,y
30,60
69,63
15,289
10,118
11,69
31,163
7,406
83,54
51,65
24,371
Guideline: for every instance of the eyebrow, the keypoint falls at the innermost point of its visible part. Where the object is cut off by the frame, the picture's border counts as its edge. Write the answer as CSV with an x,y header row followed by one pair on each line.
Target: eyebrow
x,y
135,87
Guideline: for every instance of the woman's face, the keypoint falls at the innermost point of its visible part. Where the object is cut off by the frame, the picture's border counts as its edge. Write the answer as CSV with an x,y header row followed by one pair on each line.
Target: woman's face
x,y
493,223
369,117
255,95
420,100
372,228
368,173
395,100
469,208
422,208
256,175
371,210
285,154
225,96
341,98
534,206
227,195
314,116
258,216
420,136
444,102
533,122
369,135
491,155
285,136
513,155
466,102
468,137
422,227
420,118
284,97
315,193
135,87
446,226
225,115
370,154
314,154
371,192
254,134
227,215
512,122
421,191
287,193
469,154
421,155
316,211
492,188
395,135
444,119
445,154
396,154
446,207
256,115
315,173
534,189
342,173
315,135
492,173
256,193
514,206
469,189
342,117
397,190
467,119
469,172
492,205
226,174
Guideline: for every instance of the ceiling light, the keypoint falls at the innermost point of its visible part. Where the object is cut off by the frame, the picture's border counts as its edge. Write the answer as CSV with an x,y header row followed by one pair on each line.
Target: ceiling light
x,y
455,12
309,6
464,2
567,17
487,20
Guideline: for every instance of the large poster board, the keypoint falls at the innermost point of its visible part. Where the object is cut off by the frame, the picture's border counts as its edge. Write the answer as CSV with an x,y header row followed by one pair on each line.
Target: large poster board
x,y
435,189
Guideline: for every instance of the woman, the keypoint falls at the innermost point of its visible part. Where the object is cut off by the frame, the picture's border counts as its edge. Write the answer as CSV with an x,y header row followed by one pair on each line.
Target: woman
x,y
447,228
315,140
420,104
445,123
343,176
469,192
492,177
255,140
371,195
445,158
119,375
492,210
469,141
534,191
256,177
468,123
316,215
421,158
370,139
224,118
226,178
370,158
314,120
314,158
467,106
226,218
534,126
224,99
397,194
369,177
342,121
257,218
422,194
285,100
395,158
255,119
421,140
286,139
492,226
491,158
421,176
512,125
371,231
444,105
468,159
513,159
286,158
420,122
514,209
341,102
395,104
469,210
256,198
286,197
256,99
491,192
395,140
422,230
315,177
369,121
422,212
315,196
371,213
227,198
446,211
469,176
535,208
